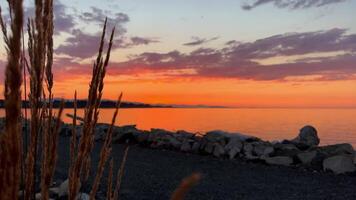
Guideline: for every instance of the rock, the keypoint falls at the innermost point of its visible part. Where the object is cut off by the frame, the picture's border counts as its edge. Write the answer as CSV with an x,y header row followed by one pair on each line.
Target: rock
x,y
247,148
339,164
63,188
141,136
243,137
54,191
157,135
128,133
233,147
186,147
306,157
209,148
286,149
218,151
308,137
233,152
183,135
279,160
83,196
262,149
176,144
337,149
38,196
195,147
216,136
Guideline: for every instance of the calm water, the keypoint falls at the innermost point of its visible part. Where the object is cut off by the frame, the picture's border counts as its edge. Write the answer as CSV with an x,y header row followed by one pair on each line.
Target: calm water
x,y
333,125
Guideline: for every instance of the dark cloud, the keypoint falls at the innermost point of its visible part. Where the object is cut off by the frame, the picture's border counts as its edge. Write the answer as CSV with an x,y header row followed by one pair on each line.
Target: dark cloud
x,y
291,4
199,41
63,22
238,60
98,16
84,45
142,41
81,44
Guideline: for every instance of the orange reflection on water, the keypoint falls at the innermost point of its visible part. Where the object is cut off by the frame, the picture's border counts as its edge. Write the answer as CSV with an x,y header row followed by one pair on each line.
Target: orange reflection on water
x,y
333,125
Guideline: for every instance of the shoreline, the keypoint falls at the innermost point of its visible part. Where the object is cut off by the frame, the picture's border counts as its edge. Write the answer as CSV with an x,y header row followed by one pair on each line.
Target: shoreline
x,y
303,151
233,166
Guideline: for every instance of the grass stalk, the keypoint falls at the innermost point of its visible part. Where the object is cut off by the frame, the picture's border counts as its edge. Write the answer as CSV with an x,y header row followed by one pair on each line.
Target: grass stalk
x,y
11,139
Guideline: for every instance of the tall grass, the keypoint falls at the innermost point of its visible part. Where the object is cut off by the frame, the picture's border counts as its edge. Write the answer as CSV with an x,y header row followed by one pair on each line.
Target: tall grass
x,y
44,125
10,140
41,156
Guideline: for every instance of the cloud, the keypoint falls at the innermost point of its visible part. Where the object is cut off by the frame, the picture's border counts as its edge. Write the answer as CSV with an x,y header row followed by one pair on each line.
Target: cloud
x,y
238,60
291,4
85,45
98,16
199,41
134,41
63,22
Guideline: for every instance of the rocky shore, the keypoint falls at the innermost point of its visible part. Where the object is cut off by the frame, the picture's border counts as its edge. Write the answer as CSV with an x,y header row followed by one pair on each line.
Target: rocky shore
x,y
233,165
302,151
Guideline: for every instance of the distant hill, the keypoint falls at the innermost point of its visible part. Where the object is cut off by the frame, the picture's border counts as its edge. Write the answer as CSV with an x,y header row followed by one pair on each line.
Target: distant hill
x,y
104,104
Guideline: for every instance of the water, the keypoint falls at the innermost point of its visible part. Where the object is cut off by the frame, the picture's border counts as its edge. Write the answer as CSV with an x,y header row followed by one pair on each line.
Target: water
x,y
333,125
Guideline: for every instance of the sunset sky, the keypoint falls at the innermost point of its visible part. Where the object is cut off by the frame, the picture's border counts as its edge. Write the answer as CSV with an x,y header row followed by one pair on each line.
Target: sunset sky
x,y
241,53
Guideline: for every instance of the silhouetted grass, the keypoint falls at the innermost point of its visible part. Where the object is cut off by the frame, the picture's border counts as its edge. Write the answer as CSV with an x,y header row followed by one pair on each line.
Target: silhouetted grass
x,y
45,124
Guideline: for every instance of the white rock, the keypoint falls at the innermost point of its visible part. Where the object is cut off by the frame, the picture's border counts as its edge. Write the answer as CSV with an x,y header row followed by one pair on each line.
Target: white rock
x,y
307,157
83,196
38,196
233,147
279,160
63,188
339,164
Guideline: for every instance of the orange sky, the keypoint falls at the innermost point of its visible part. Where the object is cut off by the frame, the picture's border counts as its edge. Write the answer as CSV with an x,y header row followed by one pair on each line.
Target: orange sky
x,y
226,92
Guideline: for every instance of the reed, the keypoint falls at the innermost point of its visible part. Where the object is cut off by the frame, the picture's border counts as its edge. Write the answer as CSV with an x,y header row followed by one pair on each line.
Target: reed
x,y
10,140
120,174
81,164
44,123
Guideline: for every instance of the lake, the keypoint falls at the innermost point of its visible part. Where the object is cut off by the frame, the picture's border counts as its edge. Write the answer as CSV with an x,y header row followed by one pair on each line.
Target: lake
x,y
333,125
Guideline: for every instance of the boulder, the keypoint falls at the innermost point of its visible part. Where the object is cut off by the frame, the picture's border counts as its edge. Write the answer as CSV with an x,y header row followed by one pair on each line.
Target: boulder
x,y
216,136
54,191
83,196
337,149
176,144
339,164
63,188
308,137
286,149
306,157
242,137
38,196
128,133
233,147
218,151
195,147
279,160
262,149
209,148
182,135
186,147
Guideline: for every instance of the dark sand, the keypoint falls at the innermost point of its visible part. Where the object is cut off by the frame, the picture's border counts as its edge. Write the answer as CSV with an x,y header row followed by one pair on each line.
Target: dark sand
x,y
154,174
